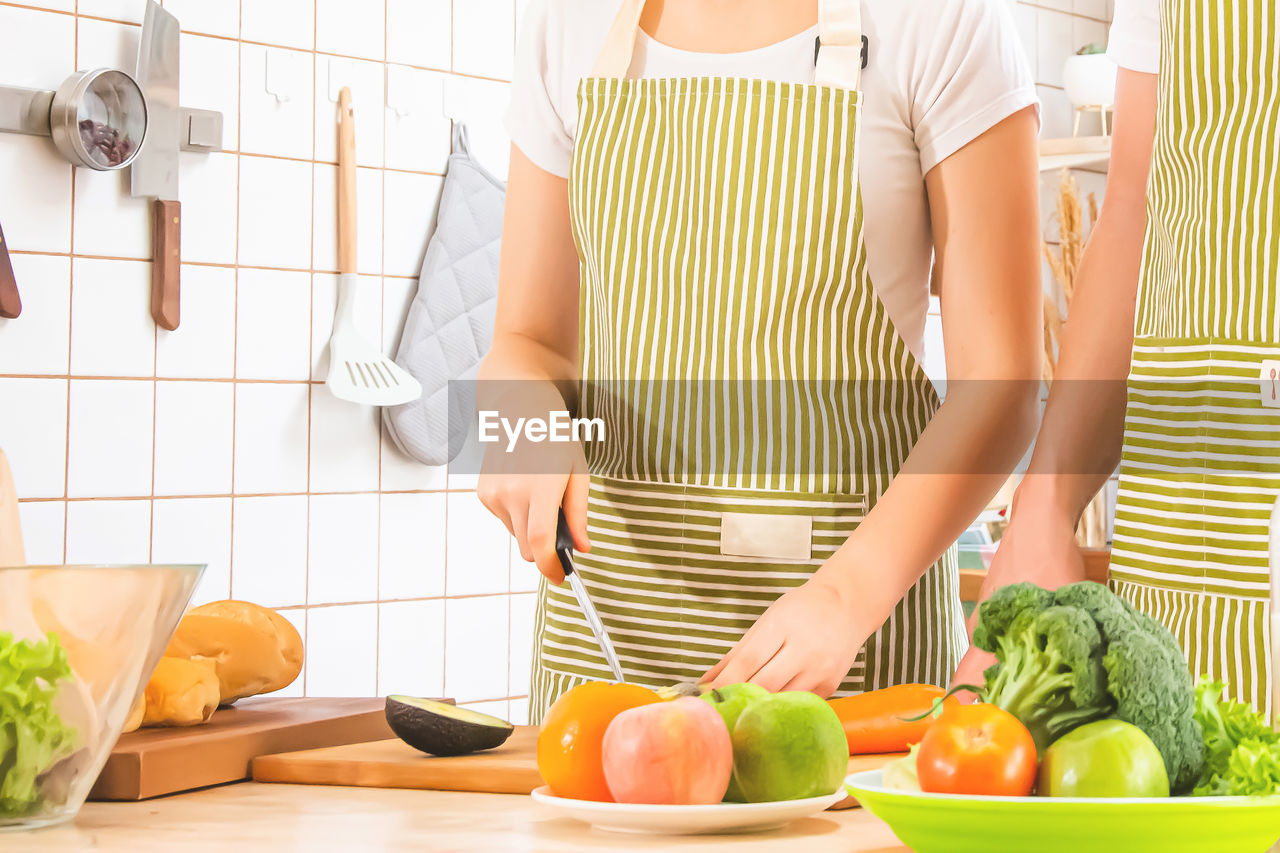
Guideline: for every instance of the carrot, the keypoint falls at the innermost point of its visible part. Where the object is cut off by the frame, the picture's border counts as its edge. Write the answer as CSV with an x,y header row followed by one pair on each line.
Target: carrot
x,y
877,721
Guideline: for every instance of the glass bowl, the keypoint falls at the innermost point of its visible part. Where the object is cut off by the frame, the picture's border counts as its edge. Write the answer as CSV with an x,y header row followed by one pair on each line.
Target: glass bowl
x,y
77,645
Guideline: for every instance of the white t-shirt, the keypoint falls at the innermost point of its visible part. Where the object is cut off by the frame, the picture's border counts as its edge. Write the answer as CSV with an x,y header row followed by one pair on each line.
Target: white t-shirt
x,y
1135,35
939,74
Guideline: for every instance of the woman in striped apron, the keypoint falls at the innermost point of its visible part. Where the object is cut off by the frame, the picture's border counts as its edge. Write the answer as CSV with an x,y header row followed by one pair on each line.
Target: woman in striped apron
x,y
758,402
1197,125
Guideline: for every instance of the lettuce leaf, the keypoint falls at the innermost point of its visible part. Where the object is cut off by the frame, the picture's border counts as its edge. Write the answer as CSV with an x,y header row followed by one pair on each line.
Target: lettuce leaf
x,y
1242,752
32,736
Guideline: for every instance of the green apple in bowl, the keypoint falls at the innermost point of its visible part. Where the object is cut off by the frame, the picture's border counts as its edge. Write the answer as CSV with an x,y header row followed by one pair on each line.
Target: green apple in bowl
x,y
1105,758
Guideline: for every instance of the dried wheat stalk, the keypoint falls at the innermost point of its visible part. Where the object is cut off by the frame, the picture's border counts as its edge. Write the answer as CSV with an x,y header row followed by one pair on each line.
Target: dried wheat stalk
x,y
1065,265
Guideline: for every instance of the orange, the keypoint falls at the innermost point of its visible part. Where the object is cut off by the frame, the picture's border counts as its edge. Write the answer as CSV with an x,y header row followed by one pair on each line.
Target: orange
x,y
569,745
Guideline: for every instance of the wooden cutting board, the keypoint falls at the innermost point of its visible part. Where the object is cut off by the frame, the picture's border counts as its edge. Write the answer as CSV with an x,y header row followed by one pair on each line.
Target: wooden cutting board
x,y
153,762
510,769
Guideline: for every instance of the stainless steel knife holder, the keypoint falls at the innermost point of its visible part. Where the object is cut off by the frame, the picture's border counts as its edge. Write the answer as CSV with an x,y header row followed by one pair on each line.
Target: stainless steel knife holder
x,y
34,112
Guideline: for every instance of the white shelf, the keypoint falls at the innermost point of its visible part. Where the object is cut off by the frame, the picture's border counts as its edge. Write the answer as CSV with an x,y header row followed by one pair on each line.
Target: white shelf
x,y
1081,152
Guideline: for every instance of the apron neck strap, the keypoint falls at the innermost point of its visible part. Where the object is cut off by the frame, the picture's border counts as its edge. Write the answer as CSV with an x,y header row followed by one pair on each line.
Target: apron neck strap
x,y
839,61
839,44
620,44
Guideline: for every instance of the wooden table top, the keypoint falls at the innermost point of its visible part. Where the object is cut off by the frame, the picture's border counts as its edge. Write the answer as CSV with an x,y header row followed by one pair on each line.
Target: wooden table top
x,y
252,816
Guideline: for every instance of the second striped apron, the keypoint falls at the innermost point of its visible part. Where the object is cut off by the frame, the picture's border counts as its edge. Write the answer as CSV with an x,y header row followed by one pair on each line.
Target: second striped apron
x,y
757,397
1201,464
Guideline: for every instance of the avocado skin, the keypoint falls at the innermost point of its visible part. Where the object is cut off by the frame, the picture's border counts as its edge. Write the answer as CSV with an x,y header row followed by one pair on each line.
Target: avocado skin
x,y
438,735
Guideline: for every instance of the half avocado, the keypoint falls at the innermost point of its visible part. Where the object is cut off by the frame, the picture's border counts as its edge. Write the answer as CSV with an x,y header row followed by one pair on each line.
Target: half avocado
x,y
441,729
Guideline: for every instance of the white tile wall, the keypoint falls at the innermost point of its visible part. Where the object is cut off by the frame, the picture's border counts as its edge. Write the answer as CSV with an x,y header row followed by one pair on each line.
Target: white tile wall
x,y
344,549
33,427
111,318
343,650
405,629
40,341
194,424
236,455
215,17
271,438
43,526
109,441
273,324
269,550
204,346
196,530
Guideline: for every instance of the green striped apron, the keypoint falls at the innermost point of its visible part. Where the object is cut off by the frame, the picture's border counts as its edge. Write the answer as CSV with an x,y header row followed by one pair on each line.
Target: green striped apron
x,y
757,399
1201,463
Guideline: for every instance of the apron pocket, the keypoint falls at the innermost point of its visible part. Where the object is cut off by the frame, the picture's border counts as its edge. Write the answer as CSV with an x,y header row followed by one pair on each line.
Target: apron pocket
x,y
779,537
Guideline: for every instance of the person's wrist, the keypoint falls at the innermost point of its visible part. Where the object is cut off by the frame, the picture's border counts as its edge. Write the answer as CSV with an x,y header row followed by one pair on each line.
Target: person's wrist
x,y
1046,499
845,575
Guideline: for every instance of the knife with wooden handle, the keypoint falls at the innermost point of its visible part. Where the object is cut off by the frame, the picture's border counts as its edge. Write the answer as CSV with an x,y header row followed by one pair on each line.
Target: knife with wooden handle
x,y
154,173
10,301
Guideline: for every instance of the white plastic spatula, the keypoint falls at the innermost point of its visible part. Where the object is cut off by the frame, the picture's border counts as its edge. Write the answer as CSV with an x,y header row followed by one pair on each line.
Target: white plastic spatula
x,y
358,371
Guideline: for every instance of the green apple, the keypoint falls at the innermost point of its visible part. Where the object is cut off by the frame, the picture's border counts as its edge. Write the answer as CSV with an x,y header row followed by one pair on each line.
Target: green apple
x,y
788,746
1106,758
731,701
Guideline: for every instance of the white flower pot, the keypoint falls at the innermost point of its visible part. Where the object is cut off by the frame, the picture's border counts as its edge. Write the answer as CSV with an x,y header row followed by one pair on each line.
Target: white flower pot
x,y
1090,80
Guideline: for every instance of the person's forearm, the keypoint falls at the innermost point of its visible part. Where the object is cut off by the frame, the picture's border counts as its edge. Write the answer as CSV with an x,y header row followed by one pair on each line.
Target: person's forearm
x,y
535,330
1079,442
962,458
515,358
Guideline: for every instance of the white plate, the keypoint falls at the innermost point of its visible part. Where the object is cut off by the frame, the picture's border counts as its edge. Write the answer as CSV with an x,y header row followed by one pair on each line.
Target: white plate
x,y
686,820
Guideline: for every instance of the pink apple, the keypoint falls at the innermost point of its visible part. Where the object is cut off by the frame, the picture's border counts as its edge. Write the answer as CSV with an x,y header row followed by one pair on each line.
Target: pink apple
x,y
675,752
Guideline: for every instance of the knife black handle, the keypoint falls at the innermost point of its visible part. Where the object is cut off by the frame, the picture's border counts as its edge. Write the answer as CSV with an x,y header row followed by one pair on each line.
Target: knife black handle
x,y
564,543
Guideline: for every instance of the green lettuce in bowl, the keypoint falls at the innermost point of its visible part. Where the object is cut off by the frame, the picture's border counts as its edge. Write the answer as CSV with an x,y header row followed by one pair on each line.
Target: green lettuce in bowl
x,y
33,738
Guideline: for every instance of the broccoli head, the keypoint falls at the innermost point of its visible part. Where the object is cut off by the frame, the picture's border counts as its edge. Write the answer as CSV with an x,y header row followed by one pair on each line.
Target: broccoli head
x,y
1082,653
1049,672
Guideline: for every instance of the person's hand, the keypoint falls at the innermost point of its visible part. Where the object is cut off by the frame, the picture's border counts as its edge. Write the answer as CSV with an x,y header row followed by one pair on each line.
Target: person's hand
x,y
1039,546
526,487
807,640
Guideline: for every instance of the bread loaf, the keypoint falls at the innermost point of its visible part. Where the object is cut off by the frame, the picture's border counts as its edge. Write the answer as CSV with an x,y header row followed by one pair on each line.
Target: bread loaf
x,y
251,648
136,713
181,693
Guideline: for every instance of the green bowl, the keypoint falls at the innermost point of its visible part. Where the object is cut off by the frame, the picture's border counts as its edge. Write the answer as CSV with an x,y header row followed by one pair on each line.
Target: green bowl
x,y
949,823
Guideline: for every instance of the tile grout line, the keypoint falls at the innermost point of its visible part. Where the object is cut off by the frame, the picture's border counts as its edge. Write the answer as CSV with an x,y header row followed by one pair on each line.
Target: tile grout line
x,y
444,607
235,327
311,212
382,264
71,284
208,264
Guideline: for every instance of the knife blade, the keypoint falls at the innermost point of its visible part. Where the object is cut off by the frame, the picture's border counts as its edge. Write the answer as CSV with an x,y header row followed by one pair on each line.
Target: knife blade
x,y
154,173
564,550
10,301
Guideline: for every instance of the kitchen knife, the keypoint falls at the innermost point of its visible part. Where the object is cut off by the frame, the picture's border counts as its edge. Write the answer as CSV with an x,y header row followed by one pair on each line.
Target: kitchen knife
x,y
155,172
564,550
10,302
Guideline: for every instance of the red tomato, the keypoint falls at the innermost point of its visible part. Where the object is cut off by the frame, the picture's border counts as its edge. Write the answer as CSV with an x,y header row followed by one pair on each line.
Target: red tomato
x,y
978,750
